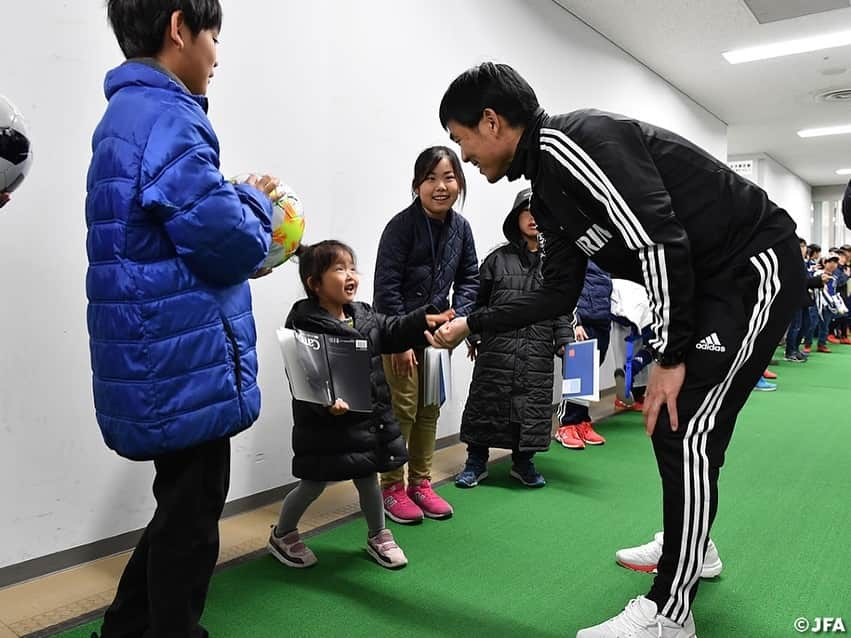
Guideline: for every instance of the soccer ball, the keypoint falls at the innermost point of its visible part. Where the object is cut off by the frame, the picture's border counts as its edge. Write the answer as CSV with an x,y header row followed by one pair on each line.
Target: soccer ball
x,y
15,152
287,223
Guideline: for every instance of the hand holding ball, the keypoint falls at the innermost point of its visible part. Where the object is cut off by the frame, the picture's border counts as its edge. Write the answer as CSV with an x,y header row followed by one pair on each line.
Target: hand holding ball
x,y
287,217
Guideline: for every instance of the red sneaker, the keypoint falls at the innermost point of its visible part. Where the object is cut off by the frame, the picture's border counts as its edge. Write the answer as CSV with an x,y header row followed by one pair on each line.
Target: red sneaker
x,y
638,406
768,374
824,349
806,349
622,405
845,341
569,437
588,435
833,338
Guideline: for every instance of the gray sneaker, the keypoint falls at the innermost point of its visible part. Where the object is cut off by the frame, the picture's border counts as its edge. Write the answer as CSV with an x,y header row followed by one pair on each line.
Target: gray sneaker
x,y
290,550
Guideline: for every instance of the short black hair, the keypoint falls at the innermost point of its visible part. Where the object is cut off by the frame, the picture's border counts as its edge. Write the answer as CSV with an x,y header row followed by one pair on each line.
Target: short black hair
x,y
140,25
315,259
489,85
429,158
812,249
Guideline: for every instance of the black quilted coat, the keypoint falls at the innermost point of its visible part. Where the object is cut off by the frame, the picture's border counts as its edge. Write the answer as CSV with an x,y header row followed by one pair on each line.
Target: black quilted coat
x,y
335,448
510,400
409,274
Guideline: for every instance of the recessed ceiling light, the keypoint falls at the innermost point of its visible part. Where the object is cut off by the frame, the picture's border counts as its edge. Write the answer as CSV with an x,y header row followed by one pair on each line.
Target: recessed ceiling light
x,y
844,171
827,130
789,47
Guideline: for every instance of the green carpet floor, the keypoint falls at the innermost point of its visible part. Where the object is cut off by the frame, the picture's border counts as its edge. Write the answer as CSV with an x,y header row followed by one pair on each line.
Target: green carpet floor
x,y
520,562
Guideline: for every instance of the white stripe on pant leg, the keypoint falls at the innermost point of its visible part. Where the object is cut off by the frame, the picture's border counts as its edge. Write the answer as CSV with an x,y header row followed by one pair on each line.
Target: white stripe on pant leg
x,y
688,546
770,267
697,436
769,286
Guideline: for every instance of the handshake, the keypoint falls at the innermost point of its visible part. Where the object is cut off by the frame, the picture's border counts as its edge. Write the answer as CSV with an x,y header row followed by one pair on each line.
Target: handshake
x,y
451,330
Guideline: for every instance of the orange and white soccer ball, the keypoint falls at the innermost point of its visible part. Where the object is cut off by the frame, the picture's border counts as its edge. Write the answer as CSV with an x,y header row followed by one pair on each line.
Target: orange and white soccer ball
x,y
287,223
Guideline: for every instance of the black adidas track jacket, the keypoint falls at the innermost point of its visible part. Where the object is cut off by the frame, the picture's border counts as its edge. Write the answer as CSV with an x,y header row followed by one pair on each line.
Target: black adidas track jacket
x,y
644,204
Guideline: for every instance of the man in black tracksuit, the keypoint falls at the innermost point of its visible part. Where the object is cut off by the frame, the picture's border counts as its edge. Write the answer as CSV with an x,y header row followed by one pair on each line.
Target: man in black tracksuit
x,y
719,260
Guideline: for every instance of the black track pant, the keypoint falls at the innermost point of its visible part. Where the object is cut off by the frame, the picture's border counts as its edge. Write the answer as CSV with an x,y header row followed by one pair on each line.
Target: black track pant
x,y
741,315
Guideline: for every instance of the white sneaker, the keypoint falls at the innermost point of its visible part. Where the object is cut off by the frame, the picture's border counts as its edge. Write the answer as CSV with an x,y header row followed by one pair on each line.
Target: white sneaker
x,y
639,619
290,550
385,551
644,558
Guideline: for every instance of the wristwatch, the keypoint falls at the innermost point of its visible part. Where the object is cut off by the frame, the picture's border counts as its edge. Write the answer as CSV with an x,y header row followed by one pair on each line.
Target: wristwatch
x,y
669,359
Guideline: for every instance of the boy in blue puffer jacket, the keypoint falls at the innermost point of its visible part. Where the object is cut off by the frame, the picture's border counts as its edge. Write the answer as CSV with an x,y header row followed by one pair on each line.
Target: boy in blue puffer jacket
x,y
170,246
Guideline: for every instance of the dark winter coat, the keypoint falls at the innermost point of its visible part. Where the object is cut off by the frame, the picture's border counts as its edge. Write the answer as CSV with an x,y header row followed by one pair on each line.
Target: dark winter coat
x,y
354,445
510,400
410,274
595,302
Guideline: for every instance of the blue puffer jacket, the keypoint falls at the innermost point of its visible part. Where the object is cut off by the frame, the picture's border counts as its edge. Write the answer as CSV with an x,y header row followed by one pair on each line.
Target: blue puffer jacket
x,y
170,245
595,302
409,275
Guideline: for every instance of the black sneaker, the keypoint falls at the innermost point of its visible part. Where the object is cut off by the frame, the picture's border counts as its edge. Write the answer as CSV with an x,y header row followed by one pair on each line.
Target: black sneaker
x,y
528,475
795,357
471,475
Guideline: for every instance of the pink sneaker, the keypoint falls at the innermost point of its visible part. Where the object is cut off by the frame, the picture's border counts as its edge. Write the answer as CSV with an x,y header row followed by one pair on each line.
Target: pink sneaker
x,y
429,502
399,507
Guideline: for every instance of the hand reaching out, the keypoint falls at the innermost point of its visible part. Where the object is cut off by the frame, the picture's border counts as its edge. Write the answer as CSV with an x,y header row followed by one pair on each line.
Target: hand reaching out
x,y
449,334
433,321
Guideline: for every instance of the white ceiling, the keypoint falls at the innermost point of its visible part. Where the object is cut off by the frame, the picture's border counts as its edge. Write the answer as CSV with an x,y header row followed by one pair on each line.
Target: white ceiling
x,y
764,103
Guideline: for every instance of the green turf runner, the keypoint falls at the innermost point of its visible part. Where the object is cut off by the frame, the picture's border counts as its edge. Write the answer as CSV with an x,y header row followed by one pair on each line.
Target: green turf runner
x,y
521,562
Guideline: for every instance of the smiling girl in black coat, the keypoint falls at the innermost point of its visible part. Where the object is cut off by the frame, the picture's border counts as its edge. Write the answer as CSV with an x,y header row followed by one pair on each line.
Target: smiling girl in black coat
x,y
330,443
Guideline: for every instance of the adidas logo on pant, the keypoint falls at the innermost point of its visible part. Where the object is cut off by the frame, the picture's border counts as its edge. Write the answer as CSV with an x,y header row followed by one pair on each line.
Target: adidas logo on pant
x,y
711,343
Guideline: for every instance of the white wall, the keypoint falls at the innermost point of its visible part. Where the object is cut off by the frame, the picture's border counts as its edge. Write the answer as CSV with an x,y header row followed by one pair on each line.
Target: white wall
x,y
827,200
335,97
788,191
